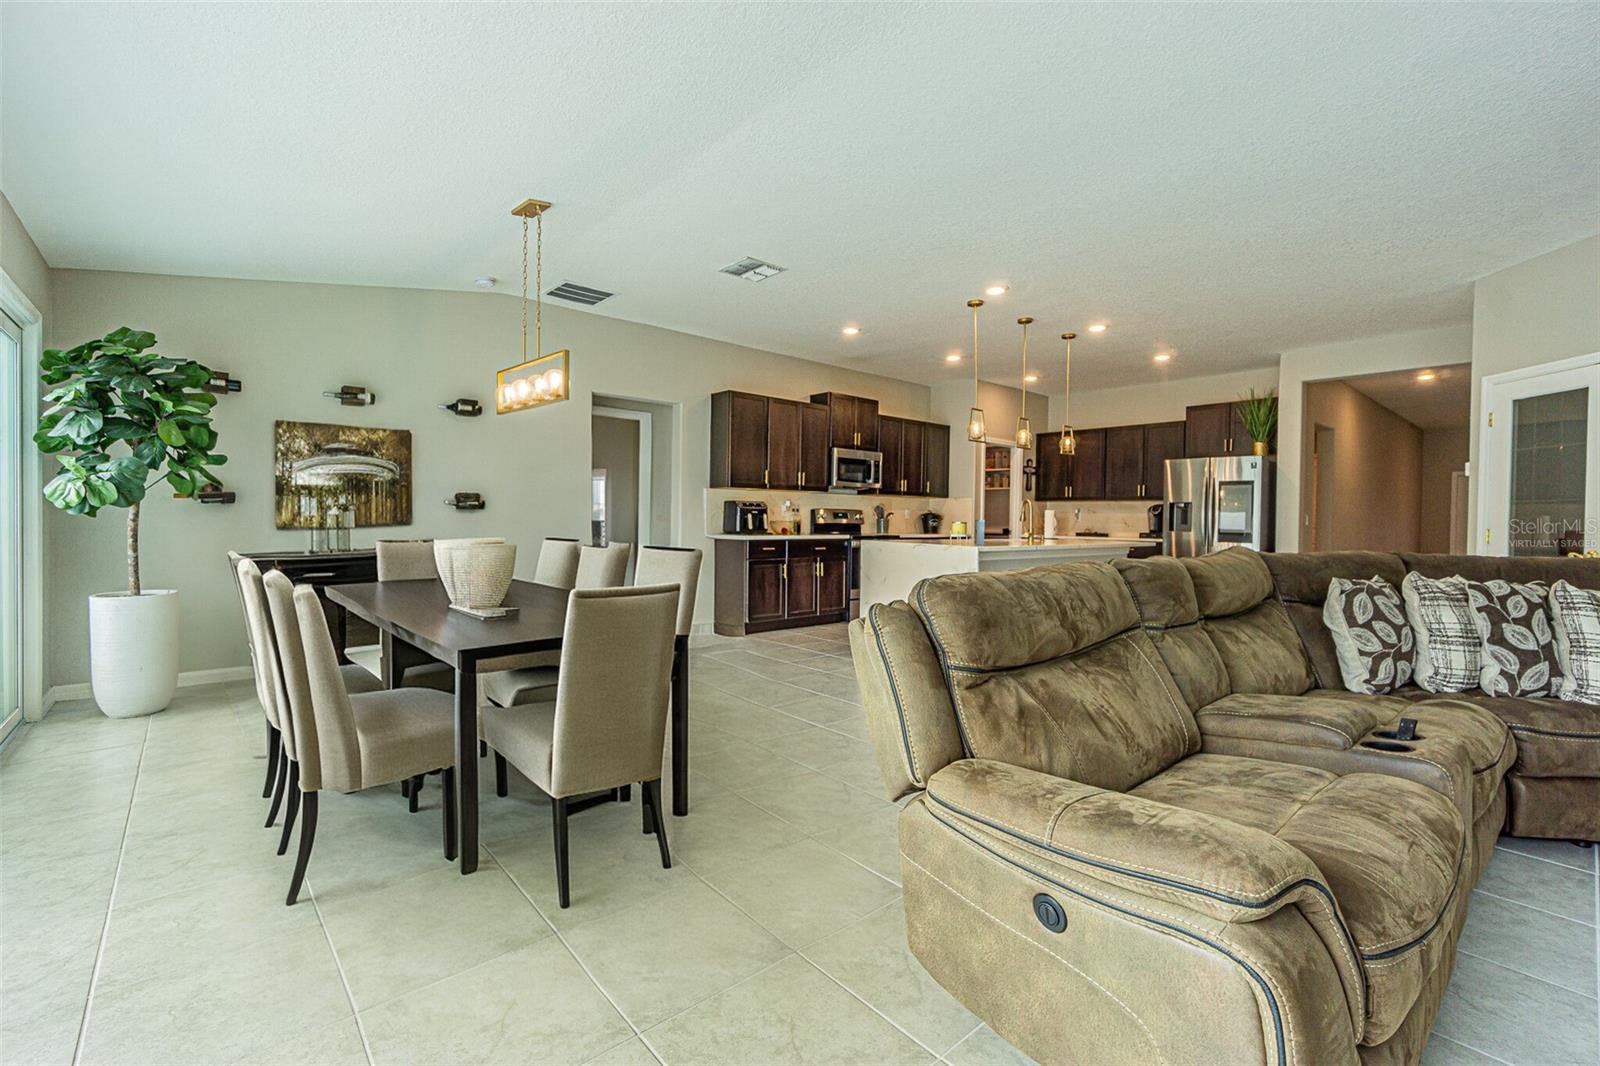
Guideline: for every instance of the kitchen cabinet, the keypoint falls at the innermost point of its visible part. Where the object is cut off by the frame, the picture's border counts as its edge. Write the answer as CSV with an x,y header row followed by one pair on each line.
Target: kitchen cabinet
x,y
916,457
1080,476
783,444
891,435
936,459
1162,441
1124,462
780,584
1215,429
738,440
814,447
852,420
767,442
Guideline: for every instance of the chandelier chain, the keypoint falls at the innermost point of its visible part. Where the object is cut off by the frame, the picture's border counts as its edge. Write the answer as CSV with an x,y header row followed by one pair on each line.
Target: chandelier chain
x,y
538,284
524,358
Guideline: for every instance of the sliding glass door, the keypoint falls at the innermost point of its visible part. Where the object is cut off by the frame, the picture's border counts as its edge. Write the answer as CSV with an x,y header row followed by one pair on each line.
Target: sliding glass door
x,y
11,458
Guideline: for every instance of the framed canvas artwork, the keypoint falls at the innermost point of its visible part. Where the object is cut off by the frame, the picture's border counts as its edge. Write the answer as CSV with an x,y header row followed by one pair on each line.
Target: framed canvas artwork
x,y
327,476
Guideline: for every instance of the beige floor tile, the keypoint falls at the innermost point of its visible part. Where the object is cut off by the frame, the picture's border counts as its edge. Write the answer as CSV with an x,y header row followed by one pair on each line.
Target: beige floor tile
x,y
803,892
873,841
871,959
1442,1051
745,719
814,802
628,1053
75,729
43,1010
987,1048
740,764
791,1013
402,936
842,688
726,830
661,955
1489,1007
236,1004
157,863
1541,945
371,840
834,755
1567,854
336,1044
1545,885
820,710
531,1005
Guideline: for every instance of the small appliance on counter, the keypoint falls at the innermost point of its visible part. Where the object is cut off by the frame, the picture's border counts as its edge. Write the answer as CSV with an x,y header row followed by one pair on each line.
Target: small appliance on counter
x,y
1154,522
744,516
930,521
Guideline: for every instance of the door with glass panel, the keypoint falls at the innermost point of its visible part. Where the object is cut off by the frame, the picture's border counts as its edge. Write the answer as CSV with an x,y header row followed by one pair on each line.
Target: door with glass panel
x,y
1540,493
11,393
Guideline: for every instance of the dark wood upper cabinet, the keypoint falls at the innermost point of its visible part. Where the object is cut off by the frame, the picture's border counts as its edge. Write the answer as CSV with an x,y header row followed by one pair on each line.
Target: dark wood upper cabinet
x,y
1124,462
891,435
1215,429
1088,465
913,476
738,440
1051,468
783,444
867,424
1162,441
852,420
1239,439
814,447
936,459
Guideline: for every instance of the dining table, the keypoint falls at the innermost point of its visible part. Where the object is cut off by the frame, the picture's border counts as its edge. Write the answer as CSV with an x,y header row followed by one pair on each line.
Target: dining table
x,y
417,626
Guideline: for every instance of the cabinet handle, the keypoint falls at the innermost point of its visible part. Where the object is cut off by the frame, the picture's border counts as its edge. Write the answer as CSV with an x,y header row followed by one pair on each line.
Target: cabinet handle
x,y
764,479
786,571
817,568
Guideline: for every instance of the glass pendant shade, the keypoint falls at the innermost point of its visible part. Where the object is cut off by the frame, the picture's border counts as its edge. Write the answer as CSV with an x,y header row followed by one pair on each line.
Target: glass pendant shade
x,y
1069,443
1024,432
543,379
1024,427
976,430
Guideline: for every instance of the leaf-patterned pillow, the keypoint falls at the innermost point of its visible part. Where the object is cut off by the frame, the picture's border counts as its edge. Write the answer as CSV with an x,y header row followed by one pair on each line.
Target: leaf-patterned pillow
x,y
1376,647
1518,644
1575,618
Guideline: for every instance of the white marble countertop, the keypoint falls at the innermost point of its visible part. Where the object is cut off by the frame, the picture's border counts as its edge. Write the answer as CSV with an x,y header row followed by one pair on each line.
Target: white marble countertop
x,y
992,544
779,536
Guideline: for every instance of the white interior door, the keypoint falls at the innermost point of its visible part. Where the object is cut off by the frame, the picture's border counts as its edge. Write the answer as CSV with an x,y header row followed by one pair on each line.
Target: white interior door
x,y
11,393
1540,459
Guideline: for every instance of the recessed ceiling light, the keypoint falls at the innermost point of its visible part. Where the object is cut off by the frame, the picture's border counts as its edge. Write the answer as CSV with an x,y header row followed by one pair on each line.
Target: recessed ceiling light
x,y
1097,327
1427,375
1030,378
851,331
995,290
484,282
953,357
1163,357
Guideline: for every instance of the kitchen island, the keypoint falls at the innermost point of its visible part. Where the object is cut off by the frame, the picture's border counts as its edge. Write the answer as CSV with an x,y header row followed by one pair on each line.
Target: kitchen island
x,y
891,568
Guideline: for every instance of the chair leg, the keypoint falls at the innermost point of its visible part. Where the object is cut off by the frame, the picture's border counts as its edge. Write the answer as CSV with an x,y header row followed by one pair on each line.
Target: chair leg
x,y
448,783
274,742
644,811
502,776
652,798
277,795
483,749
308,833
625,794
405,786
416,792
558,808
293,808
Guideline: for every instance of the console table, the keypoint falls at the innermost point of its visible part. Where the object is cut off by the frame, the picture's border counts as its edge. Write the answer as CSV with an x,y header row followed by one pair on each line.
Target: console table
x,y
319,570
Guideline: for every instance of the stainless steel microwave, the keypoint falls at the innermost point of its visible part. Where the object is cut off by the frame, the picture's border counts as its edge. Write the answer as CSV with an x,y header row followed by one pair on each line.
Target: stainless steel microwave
x,y
854,470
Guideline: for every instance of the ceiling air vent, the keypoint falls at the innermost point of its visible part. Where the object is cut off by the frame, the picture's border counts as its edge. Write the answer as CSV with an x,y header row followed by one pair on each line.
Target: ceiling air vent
x,y
579,294
752,269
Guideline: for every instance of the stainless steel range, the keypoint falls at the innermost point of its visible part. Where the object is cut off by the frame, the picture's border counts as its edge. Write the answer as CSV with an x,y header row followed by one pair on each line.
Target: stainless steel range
x,y
847,520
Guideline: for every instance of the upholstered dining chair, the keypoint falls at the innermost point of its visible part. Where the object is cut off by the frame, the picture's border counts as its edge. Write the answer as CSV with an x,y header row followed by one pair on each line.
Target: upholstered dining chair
x,y
659,565
558,562
602,568
606,725
234,559
406,560
270,691
344,742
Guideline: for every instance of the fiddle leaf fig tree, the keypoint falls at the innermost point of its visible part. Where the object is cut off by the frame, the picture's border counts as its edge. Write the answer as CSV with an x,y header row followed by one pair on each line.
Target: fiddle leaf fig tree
x,y
122,419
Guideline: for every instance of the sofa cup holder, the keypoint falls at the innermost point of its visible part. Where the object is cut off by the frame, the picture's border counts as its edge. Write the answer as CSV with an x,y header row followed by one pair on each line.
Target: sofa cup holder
x,y
1390,734
1386,745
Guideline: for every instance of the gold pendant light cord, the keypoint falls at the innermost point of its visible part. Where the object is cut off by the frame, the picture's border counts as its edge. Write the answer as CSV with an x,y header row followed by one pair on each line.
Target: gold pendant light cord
x,y
1066,387
538,286
975,305
1024,369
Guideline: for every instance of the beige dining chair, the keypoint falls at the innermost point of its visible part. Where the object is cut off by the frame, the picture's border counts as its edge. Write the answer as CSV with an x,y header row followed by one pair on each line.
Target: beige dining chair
x,y
602,568
234,559
658,565
269,687
406,560
344,742
606,725
558,563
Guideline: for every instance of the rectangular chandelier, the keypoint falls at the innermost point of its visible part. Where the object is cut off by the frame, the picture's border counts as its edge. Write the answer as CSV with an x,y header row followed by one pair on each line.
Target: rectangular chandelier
x,y
539,381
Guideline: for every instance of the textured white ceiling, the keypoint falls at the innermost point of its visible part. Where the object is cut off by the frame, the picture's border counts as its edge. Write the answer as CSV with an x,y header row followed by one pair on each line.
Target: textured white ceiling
x,y
1442,403
1225,181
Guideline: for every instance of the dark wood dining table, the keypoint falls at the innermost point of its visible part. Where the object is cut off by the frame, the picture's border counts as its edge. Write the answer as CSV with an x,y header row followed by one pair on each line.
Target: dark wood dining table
x,y
417,626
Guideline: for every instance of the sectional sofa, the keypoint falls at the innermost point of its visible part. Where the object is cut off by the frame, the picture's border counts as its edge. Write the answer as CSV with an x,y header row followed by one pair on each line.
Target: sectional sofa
x,y
1146,824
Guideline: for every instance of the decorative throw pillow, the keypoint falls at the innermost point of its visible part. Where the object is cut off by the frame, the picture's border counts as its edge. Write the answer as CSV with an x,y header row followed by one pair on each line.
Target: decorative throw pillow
x,y
1370,632
1448,655
1517,643
1575,617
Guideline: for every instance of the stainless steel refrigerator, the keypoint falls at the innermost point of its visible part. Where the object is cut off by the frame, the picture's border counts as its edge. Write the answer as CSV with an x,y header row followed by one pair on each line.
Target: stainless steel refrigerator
x,y
1217,503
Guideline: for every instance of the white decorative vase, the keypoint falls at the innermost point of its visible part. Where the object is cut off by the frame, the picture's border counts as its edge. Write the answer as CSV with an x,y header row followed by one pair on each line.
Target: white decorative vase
x,y
476,571
133,651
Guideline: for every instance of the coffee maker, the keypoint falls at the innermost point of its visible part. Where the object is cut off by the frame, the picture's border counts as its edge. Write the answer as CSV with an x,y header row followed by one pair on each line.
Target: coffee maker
x,y
1154,522
744,516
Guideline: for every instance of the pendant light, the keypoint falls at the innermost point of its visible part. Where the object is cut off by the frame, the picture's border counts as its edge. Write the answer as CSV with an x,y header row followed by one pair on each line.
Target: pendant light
x,y
1069,443
976,431
542,379
1024,426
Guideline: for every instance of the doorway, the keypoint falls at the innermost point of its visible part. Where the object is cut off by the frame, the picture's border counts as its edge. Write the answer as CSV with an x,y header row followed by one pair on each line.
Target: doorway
x,y
634,477
1319,519
11,400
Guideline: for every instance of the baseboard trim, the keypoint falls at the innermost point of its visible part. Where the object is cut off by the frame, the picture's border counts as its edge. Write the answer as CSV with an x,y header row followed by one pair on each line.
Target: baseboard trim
x,y
13,720
82,690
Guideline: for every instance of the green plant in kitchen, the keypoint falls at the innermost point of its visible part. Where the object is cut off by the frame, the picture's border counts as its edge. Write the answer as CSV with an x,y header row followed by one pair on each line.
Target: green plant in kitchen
x,y
121,420
1260,417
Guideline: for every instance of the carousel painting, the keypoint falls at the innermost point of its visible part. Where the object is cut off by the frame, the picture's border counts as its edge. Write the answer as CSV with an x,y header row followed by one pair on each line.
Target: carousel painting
x,y
338,477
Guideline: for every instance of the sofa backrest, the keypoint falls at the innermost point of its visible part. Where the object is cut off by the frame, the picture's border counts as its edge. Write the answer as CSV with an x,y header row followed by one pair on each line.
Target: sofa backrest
x,y
1242,615
1050,669
1302,583
1164,595
1584,573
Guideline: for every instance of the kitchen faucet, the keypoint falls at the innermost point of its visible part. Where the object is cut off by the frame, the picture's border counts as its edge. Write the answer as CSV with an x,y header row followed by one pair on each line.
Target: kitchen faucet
x,y
1028,536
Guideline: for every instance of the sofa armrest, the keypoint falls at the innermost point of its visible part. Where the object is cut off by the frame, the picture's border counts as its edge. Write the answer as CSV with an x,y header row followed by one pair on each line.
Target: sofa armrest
x,y
1225,870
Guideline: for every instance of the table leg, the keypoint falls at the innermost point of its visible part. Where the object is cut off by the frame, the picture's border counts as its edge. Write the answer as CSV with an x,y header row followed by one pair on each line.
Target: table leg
x,y
392,672
467,762
680,726
344,633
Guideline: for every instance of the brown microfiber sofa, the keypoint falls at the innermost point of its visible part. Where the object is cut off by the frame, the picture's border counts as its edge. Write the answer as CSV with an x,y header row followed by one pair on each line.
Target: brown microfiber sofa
x,y
1140,832
1553,789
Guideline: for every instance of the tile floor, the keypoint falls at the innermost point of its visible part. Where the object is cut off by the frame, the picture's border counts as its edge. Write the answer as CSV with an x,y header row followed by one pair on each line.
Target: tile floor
x,y
142,917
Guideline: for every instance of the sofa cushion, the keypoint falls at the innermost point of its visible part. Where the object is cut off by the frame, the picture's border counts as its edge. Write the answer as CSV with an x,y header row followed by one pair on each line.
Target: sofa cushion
x,y
1375,644
1449,652
1050,670
1391,850
1257,642
1164,595
1302,585
1575,620
1585,573
1228,582
1555,738
1517,646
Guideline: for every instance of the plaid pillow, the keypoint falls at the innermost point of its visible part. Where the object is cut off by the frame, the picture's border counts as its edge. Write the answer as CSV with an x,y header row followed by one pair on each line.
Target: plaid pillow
x,y
1370,633
1576,616
1448,656
1518,644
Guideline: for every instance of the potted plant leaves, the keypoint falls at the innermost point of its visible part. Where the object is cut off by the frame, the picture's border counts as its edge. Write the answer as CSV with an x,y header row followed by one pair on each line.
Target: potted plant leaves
x,y
1259,414
122,419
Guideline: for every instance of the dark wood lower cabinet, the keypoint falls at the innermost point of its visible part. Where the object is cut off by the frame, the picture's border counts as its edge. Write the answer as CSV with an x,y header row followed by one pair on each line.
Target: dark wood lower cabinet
x,y
780,584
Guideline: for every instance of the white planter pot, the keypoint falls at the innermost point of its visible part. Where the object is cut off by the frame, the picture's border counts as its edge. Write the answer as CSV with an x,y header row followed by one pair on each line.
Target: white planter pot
x,y
133,651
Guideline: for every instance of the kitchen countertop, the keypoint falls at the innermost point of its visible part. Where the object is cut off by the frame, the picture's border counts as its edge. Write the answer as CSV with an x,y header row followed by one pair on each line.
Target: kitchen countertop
x,y
779,536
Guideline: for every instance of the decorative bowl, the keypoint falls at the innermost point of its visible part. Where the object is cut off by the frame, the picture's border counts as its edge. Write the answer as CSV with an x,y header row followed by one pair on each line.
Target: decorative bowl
x,y
476,571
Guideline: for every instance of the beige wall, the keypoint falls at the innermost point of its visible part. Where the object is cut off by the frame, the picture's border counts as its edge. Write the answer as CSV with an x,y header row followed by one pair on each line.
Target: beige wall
x,y
20,259
614,448
416,349
1377,469
1539,311
1444,453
